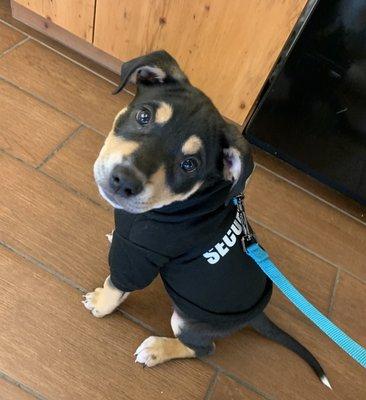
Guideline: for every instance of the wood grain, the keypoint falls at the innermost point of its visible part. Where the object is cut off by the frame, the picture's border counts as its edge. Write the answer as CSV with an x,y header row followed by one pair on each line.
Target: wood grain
x,y
65,353
228,49
77,16
8,391
8,37
349,307
63,84
228,389
310,223
30,129
279,373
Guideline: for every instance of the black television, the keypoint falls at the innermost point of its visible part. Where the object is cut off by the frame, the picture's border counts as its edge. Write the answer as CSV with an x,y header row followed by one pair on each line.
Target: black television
x,y
312,113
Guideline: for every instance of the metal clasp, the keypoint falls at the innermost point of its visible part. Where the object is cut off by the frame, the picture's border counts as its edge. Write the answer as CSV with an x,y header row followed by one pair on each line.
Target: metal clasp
x,y
248,237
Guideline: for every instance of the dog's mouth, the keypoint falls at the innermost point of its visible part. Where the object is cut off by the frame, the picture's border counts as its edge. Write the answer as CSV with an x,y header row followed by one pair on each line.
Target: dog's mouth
x,y
133,205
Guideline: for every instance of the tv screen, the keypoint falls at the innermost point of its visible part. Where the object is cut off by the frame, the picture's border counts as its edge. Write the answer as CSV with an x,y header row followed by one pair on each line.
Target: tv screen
x,y
313,114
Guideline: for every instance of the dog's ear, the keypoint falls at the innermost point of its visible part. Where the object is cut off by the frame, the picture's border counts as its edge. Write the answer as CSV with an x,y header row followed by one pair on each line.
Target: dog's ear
x,y
155,68
237,160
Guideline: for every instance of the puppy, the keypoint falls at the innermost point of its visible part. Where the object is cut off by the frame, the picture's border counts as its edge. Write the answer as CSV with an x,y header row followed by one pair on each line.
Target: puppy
x,y
170,167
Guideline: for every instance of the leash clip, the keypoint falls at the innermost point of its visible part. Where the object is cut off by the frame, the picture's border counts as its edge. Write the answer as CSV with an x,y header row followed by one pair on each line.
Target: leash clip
x,y
248,237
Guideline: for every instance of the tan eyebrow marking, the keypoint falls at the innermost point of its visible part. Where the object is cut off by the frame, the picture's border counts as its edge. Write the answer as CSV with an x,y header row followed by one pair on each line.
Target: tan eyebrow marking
x,y
123,111
119,145
192,145
163,113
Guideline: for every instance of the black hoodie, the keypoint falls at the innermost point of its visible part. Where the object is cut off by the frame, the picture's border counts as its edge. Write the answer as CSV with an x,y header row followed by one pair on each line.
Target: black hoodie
x,y
195,246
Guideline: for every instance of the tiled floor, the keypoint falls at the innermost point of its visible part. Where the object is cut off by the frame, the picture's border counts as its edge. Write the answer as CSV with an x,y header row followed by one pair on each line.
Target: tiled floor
x,y
54,114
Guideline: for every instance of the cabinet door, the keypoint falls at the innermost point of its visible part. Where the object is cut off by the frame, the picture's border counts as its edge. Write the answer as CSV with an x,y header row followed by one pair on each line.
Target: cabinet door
x,y
76,16
226,47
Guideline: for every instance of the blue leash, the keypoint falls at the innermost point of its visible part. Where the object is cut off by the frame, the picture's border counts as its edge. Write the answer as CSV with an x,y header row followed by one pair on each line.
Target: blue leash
x,y
260,256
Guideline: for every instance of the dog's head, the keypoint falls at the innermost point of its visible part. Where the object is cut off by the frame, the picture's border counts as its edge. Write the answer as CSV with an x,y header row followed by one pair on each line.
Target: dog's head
x,y
169,143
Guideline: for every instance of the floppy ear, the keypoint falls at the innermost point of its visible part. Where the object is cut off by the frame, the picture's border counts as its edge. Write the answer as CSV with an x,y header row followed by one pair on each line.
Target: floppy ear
x,y
154,68
237,161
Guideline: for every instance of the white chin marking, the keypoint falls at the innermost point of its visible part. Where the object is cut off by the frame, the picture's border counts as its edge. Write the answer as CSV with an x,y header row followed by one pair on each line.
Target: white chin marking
x,y
110,201
325,381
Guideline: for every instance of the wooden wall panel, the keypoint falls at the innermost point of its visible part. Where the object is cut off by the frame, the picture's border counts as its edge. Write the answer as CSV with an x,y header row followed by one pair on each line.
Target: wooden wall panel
x,y
76,16
227,47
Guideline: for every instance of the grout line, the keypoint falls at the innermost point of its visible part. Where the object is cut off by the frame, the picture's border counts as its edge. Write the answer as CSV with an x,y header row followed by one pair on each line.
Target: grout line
x,y
311,194
14,47
21,386
211,385
332,297
138,322
72,190
70,282
43,266
59,182
59,146
236,379
302,247
42,100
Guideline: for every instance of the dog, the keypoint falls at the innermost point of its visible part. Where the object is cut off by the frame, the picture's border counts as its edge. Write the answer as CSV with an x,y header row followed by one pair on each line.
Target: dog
x,y
170,167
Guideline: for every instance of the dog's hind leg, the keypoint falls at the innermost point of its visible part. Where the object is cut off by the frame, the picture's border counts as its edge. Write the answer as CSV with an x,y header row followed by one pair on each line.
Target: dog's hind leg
x,y
193,339
155,350
104,300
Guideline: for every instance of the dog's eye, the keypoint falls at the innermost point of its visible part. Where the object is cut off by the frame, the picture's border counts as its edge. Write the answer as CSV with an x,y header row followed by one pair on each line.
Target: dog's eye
x,y
143,117
189,164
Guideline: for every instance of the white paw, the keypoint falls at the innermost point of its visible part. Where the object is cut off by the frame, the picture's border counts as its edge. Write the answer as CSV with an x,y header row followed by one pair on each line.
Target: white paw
x,y
151,351
109,236
92,302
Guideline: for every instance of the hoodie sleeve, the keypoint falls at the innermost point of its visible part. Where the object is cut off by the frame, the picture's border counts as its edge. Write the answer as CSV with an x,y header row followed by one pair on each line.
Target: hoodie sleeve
x,y
132,267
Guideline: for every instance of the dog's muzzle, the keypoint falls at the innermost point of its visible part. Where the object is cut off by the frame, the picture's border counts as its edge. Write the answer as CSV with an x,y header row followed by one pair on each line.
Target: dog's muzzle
x,y
123,181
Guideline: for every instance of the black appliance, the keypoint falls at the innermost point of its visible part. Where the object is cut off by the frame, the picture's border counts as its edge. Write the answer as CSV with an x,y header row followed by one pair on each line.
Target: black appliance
x,y
313,112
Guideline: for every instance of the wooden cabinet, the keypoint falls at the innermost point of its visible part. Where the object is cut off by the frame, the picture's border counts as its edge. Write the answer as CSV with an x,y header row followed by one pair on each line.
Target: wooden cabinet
x,y
226,47
76,16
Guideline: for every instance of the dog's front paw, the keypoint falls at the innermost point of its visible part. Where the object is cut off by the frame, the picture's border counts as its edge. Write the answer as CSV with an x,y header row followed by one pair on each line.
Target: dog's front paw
x,y
104,300
93,301
152,351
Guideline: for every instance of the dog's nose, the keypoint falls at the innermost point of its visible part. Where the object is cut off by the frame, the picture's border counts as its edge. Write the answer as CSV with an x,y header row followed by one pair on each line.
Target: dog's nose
x,y
125,182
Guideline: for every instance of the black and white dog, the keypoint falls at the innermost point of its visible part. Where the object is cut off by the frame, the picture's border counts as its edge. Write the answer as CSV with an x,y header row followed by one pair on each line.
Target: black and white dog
x,y
170,167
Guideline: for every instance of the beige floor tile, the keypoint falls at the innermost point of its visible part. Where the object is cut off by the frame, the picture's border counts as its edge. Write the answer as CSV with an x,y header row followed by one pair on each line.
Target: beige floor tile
x,y
30,130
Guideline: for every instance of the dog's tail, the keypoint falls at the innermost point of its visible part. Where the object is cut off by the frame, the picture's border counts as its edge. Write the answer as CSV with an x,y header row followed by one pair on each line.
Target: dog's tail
x,y
263,325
